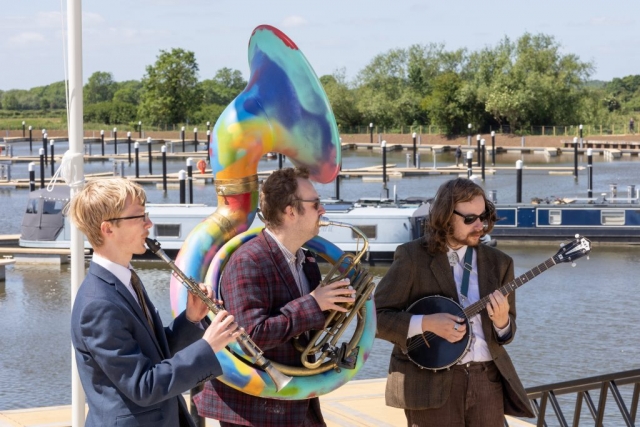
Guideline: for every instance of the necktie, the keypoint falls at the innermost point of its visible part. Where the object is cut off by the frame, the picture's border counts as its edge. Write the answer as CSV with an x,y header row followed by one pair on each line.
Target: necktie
x,y
136,283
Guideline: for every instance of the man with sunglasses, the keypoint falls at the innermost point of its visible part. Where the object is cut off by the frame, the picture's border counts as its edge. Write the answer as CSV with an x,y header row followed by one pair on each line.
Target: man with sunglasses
x,y
134,370
449,261
271,285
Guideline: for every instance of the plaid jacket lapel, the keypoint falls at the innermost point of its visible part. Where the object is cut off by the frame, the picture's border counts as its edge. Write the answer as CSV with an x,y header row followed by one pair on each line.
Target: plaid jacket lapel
x,y
281,265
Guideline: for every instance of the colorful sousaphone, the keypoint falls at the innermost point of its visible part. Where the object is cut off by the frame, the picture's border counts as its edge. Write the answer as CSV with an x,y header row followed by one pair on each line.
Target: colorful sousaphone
x,y
283,109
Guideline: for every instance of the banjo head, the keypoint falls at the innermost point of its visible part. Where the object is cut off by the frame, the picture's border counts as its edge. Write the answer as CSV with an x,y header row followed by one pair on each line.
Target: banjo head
x,y
440,354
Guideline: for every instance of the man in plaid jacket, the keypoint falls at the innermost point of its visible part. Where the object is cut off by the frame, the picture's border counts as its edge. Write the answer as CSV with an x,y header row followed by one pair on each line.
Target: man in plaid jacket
x,y
270,286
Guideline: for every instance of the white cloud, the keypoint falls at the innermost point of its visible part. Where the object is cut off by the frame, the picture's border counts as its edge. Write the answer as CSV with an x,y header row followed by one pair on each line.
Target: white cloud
x,y
25,39
90,18
610,22
294,21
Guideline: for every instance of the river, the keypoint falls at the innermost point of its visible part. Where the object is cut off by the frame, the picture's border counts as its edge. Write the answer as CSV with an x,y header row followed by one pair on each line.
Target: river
x,y
569,326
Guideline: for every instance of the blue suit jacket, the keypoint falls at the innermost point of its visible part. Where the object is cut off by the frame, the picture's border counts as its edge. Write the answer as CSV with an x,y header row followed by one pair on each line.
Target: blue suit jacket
x,y
131,375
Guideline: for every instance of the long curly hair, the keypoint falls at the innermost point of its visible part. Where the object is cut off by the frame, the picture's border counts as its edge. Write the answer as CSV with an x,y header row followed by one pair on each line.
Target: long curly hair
x,y
438,226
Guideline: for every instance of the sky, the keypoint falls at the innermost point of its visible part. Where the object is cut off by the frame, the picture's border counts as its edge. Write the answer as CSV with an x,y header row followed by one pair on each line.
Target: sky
x,y
123,37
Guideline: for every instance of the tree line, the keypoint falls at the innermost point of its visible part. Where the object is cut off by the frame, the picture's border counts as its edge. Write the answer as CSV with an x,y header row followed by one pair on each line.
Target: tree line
x,y
512,85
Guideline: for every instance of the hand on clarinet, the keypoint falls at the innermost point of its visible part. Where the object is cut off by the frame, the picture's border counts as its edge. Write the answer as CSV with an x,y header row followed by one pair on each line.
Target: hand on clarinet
x,y
196,308
222,331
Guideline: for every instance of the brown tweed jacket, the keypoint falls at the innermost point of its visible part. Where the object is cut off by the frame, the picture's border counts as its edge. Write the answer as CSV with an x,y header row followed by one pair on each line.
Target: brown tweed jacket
x,y
415,274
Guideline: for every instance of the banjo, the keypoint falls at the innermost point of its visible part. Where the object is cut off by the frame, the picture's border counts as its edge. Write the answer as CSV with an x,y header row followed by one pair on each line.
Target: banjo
x,y
429,351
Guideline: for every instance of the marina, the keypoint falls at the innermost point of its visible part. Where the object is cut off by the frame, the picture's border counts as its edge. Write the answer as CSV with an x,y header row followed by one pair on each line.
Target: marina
x,y
576,356
559,338
566,325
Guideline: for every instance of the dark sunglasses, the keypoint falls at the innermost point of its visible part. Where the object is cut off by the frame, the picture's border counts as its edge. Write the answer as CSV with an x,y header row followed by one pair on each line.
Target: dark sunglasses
x,y
144,215
316,202
470,219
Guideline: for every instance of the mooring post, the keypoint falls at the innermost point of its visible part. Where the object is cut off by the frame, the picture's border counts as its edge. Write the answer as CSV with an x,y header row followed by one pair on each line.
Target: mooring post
x,y
45,144
129,145
519,181
182,176
41,168
482,146
163,149
136,147
415,149
115,140
580,128
51,144
102,141
190,177
195,140
493,148
589,172
32,176
384,168
575,157
150,158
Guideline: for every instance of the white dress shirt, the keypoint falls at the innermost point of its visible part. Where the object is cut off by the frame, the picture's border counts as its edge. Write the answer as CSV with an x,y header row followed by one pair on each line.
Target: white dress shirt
x,y
295,264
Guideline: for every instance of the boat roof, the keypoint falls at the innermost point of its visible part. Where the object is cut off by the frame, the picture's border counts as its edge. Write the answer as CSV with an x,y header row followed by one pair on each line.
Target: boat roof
x,y
57,192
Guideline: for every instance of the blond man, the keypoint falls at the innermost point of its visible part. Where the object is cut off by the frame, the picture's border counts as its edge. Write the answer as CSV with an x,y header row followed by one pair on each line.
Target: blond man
x,y
134,370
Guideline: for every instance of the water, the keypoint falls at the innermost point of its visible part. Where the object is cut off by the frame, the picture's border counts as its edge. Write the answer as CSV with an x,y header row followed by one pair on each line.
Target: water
x,y
569,322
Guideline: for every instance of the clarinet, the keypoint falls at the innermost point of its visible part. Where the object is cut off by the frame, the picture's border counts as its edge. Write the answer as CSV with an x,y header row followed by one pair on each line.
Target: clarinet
x,y
279,379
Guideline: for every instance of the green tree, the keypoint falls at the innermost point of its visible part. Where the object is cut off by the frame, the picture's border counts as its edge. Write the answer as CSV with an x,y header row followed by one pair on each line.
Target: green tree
x,y
171,93
223,88
99,88
128,92
10,101
110,113
342,99
530,82
444,104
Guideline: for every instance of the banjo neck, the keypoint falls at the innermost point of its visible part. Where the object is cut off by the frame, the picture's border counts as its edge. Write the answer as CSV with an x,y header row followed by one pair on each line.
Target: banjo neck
x,y
481,304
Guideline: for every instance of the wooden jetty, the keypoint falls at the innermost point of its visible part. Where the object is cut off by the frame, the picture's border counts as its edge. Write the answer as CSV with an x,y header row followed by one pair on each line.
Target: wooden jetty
x,y
358,403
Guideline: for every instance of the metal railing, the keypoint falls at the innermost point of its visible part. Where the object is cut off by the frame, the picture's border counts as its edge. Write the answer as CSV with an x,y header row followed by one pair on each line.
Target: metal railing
x,y
545,395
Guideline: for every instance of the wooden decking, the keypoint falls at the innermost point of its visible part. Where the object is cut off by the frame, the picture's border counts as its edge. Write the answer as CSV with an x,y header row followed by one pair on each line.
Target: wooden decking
x,y
357,404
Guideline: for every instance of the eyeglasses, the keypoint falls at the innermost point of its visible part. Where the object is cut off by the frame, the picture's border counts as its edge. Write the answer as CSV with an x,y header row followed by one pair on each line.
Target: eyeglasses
x,y
470,219
144,215
316,203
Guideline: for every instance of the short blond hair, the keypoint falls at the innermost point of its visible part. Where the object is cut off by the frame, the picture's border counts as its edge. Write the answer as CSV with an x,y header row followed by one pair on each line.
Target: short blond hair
x,y
100,200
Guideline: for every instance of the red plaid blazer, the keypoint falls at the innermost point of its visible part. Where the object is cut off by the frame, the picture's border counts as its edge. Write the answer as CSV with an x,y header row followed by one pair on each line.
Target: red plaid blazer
x,y
259,290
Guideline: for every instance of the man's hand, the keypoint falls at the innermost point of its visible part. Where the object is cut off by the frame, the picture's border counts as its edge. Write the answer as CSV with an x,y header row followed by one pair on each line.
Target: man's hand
x,y
222,331
498,309
196,308
328,296
451,328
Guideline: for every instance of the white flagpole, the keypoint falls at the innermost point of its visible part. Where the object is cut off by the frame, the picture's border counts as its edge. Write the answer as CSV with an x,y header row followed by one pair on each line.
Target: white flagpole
x,y
76,146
